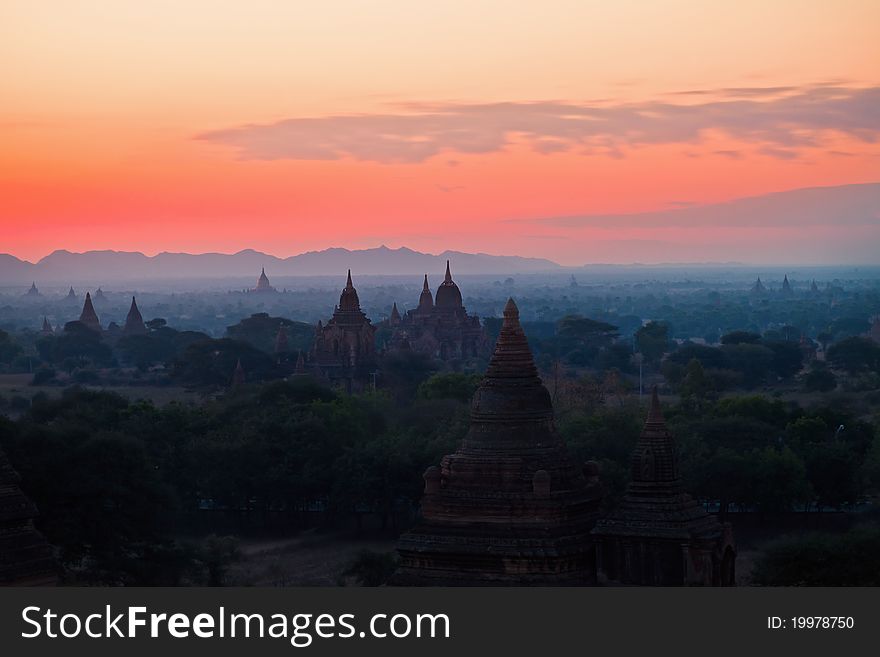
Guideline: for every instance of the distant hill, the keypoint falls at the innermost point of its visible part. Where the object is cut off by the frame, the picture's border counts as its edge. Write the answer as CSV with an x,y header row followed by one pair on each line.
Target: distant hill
x,y
97,266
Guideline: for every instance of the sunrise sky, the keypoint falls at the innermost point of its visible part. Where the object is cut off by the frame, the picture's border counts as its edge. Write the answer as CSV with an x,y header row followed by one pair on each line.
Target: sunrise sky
x,y
293,126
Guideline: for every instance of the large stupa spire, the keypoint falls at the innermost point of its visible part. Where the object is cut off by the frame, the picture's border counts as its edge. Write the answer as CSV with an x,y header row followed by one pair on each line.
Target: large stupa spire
x,y
88,316
510,506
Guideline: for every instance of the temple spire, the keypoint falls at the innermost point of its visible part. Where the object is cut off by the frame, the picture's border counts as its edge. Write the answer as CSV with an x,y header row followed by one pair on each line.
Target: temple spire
x,y
655,415
89,317
238,377
348,300
426,299
448,295
281,345
134,321
654,462
512,357
300,369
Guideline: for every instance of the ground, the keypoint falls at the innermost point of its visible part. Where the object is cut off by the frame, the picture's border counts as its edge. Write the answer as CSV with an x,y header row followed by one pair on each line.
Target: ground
x,y
309,559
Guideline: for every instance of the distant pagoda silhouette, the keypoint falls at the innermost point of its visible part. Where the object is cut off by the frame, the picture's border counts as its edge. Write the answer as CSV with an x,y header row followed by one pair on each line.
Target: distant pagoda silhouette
x,y
281,342
786,287
71,294
263,284
439,326
344,349
300,368
134,321
89,317
660,535
510,506
25,557
238,376
33,291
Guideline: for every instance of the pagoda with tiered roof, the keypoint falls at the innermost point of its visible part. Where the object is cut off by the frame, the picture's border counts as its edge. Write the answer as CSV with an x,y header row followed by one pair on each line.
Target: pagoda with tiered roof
x,y
660,535
263,284
344,349
440,326
25,557
510,506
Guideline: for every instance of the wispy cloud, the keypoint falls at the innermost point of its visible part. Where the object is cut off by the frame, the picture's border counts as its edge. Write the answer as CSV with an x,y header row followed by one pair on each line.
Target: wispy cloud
x,y
779,120
843,207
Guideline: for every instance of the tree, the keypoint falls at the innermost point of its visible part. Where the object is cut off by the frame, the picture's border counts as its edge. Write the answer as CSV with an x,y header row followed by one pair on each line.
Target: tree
x,y
454,385
260,330
653,340
855,355
8,349
753,361
740,337
212,363
695,386
577,333
833,471
850,559
707,356
788,359
156,323
779,480
77,346
820,379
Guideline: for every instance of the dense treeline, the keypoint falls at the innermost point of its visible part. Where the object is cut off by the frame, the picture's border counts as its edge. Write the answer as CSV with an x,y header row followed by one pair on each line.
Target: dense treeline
x,y
115,480
119,482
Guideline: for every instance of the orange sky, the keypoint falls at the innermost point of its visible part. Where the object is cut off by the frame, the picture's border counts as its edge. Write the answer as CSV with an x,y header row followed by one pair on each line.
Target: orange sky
x,y
288,126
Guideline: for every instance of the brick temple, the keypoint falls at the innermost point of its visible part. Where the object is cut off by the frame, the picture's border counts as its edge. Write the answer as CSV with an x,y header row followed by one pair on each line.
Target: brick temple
x,y
25,557
344,350
510,506
440,325
659,535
